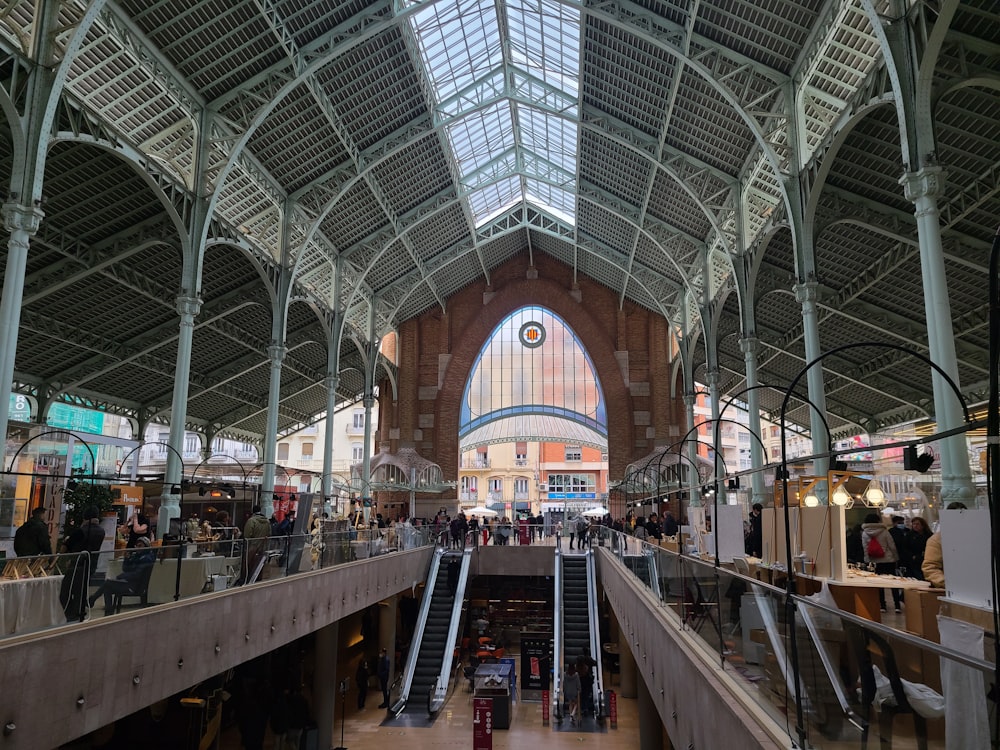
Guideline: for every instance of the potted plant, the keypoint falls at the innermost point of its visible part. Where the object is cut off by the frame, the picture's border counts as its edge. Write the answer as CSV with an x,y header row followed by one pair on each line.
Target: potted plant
x,y
80,495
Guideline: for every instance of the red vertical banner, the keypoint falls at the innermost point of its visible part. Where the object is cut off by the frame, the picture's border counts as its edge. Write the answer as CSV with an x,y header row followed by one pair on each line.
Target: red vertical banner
x,y
613,709
482,724
545,708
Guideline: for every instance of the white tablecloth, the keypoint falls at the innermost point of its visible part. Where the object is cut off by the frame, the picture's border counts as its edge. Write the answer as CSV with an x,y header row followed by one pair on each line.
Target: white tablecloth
x,y
195,572
30,604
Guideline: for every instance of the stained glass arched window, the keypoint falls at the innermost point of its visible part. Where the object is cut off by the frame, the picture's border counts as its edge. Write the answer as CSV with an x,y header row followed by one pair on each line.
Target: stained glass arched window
x,y
533,363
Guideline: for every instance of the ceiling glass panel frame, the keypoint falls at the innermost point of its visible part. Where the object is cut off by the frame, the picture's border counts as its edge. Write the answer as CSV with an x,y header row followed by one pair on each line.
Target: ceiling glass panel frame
x,y
506,83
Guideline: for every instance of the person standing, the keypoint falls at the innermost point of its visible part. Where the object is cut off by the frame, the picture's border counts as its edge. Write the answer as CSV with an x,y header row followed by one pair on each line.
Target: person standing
x,y
571,692
137,527
454,570
87,537
383,677
918,543
32,537
755,539
361,680
880,551
902,537
255,531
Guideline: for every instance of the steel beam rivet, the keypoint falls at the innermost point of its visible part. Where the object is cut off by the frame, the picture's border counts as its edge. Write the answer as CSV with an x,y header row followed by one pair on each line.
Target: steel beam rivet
x,y
136,679
8,728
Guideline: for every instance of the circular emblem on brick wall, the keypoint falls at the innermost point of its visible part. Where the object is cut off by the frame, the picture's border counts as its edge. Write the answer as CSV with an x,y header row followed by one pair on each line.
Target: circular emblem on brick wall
x,y
532,334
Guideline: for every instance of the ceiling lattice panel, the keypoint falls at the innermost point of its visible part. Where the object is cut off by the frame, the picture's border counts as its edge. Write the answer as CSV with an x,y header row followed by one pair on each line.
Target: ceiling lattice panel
x,y
416,148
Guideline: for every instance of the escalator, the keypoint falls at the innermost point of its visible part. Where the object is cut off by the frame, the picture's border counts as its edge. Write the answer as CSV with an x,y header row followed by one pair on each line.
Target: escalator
x,y
577,628
429,665
645,569
576,613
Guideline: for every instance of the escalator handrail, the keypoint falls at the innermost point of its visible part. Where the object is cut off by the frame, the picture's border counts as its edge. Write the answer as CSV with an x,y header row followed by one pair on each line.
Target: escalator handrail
x,y
440,692
418,632
557,628
595,631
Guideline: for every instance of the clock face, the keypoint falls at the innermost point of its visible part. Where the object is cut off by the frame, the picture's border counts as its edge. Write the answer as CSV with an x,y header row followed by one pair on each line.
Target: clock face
x,y
532,334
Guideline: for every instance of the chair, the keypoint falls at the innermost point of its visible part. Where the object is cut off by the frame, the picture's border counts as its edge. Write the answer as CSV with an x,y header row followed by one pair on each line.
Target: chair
x,y
741,566
139,589
863,643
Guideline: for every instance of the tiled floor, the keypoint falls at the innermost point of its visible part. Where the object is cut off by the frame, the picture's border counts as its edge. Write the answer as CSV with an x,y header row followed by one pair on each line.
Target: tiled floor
x,y
363,729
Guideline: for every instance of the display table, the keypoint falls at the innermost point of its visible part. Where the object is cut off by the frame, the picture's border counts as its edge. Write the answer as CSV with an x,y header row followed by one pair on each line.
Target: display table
x,y
493,681
195,573
30,604
858,594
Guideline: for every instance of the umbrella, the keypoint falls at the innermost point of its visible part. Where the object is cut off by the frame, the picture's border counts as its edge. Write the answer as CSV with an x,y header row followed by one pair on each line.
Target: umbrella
x,y
598,512
480,510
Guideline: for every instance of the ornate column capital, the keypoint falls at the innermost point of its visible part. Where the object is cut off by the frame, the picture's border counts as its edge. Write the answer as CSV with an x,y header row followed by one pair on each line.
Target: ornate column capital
x,y
369,402
690,399
332,383
926,182
20,217
188,306
750,345
807,291
713,378
276,353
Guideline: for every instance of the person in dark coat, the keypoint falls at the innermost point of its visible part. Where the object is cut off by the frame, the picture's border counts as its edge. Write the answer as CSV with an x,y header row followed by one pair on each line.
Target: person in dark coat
x,y
755,539
918,543
669,524
32,537
454,569
361,680
383,676
87,537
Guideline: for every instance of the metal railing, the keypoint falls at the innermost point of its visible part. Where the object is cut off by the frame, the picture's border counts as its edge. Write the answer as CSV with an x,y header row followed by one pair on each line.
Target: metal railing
x,y
46,591
853,675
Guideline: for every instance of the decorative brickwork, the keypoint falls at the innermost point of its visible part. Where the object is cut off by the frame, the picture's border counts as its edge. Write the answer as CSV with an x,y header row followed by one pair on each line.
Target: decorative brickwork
x,y
606,330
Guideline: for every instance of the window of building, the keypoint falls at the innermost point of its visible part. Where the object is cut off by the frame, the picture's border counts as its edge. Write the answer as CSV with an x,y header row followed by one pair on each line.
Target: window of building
x,y
470,484
496,485
357,452
191,445
521,454
521,486
573,453
307,451
282,452
359,420
572,483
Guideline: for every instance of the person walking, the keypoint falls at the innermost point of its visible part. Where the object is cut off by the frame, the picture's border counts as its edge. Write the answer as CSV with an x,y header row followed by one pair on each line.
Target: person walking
x,y
383,676
571,692
880,551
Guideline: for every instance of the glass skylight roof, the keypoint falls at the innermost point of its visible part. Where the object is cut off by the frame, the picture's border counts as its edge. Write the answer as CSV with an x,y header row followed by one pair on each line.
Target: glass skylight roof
x,y
509,98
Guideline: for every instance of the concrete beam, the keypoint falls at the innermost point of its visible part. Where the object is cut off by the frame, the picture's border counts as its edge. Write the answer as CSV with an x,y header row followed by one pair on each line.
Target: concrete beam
x,y
700,705
68,681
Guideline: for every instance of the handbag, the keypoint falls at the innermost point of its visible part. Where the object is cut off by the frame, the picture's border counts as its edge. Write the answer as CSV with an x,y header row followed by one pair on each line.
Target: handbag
x,y
874,548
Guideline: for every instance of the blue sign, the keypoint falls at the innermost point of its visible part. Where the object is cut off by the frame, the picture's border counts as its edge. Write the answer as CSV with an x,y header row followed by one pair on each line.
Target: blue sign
x,y
572,496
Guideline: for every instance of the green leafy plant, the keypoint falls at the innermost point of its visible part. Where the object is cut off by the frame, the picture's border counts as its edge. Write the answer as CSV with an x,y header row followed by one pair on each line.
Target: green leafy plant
x,y
79,496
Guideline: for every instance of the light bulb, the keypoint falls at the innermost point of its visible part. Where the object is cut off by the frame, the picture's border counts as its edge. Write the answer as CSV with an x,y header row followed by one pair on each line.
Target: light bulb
x,y
841,496
810,500
874,494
